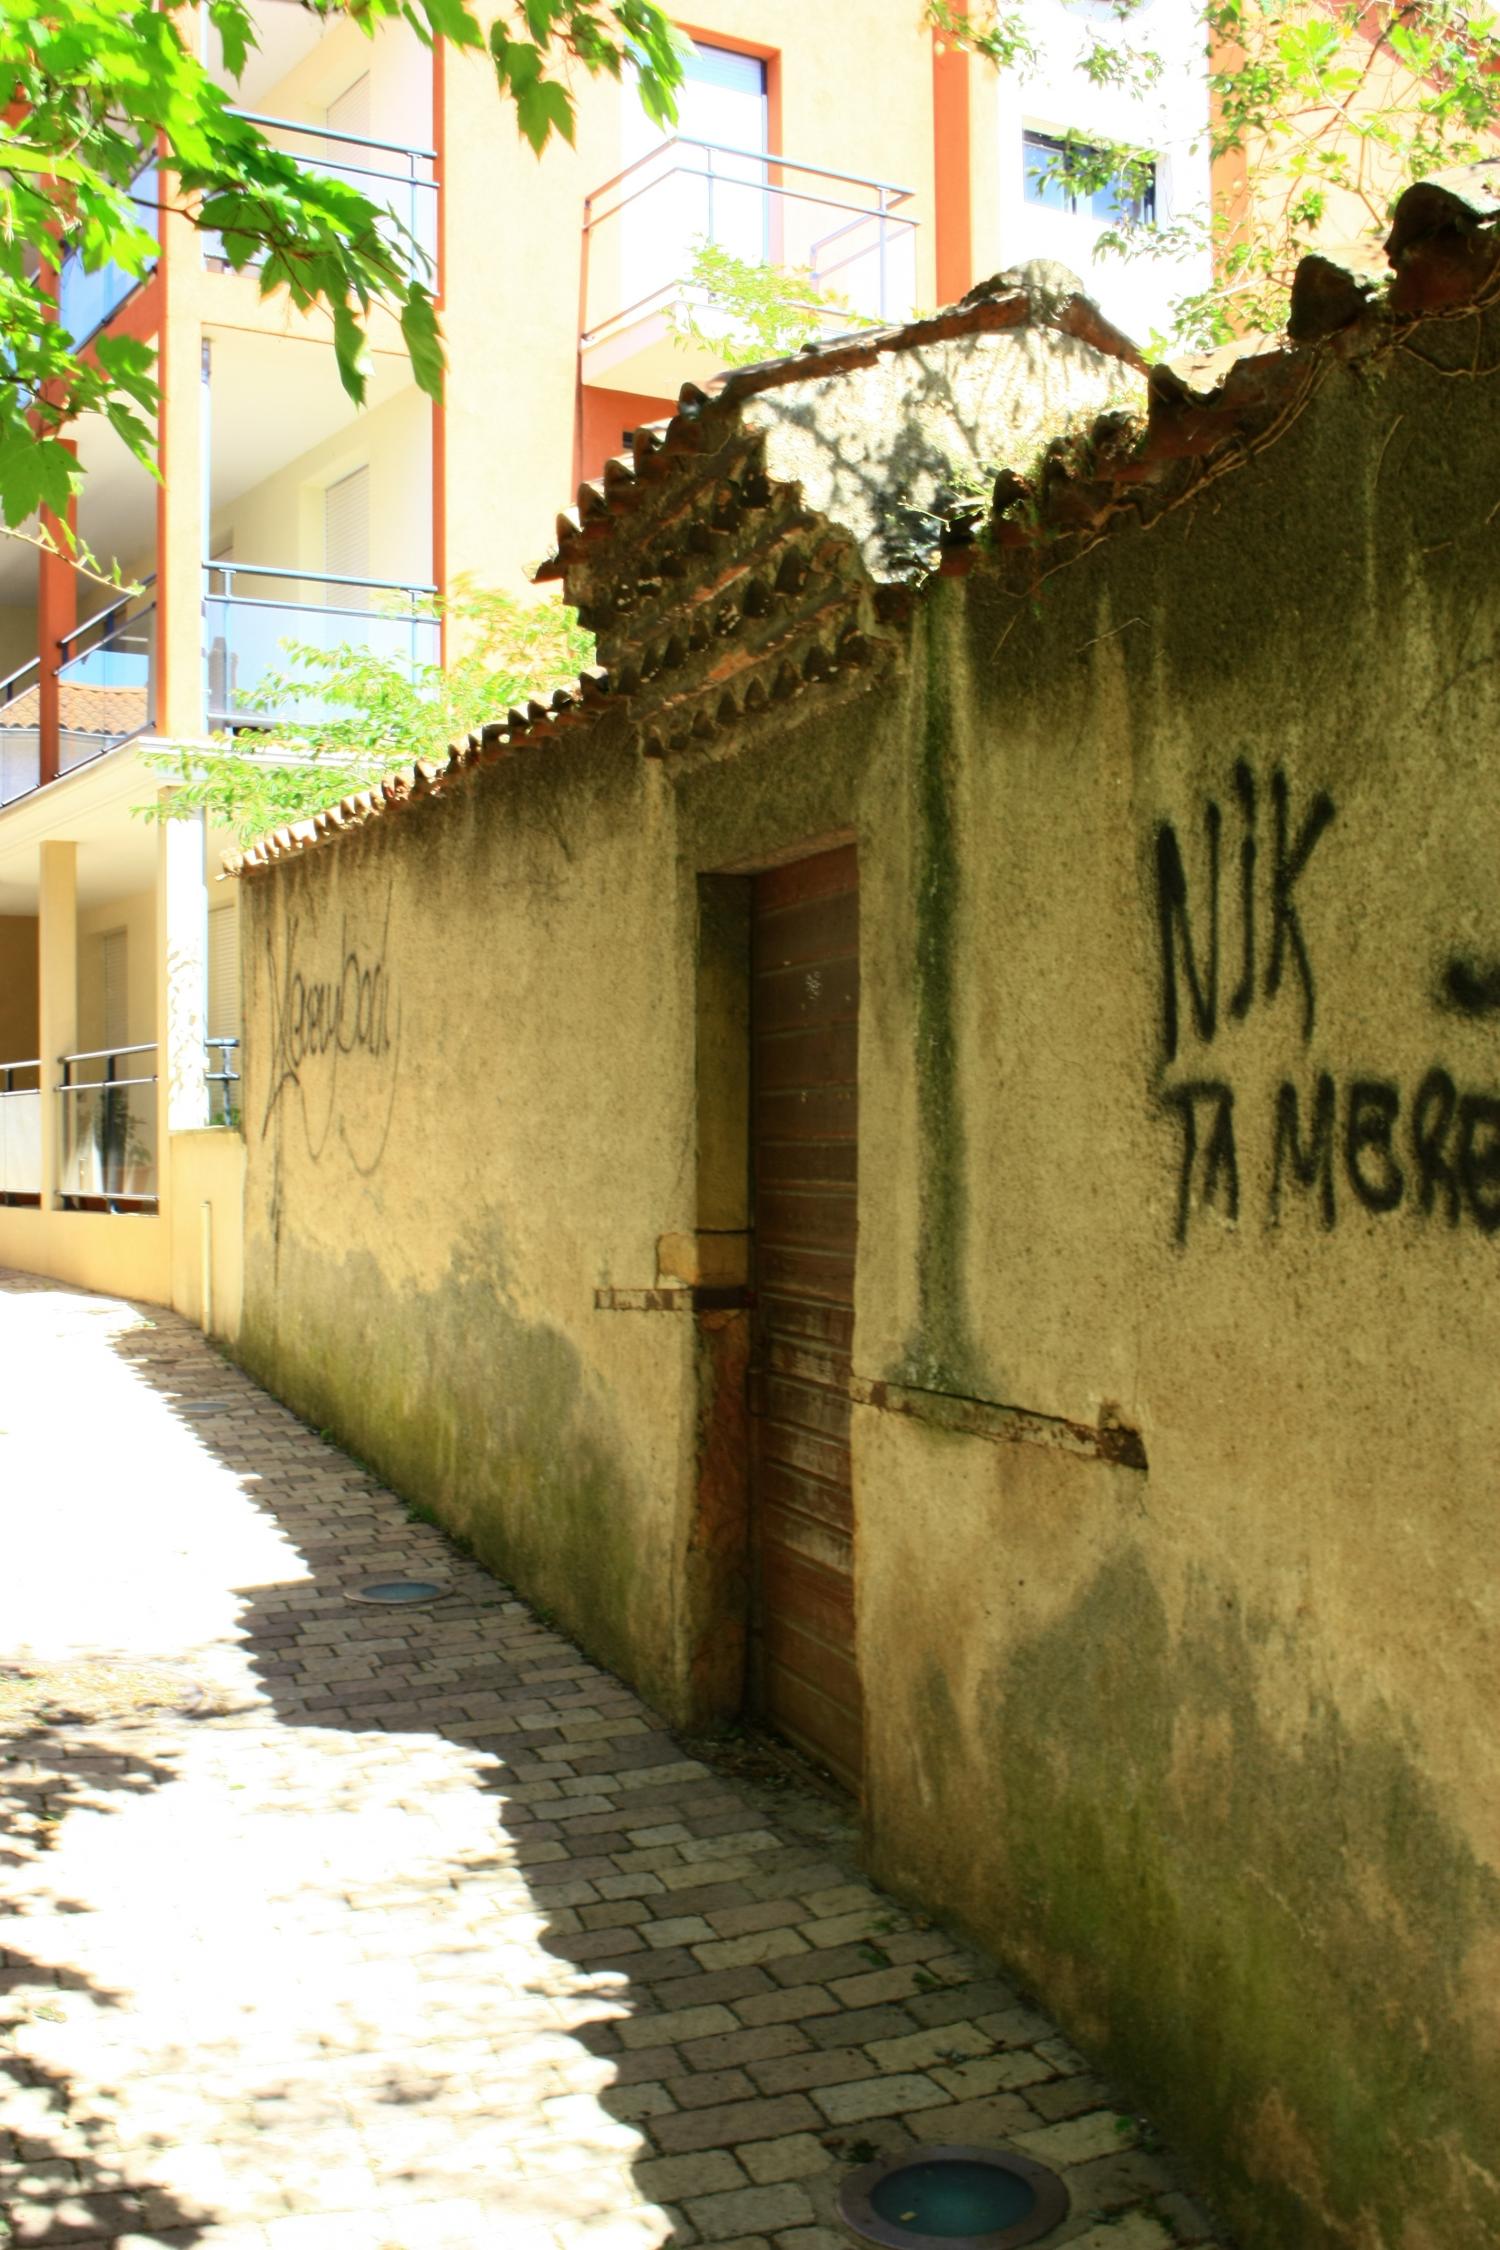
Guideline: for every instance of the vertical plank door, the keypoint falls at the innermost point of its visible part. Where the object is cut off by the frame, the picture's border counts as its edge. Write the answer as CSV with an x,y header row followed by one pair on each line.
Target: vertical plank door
x,y
804,1148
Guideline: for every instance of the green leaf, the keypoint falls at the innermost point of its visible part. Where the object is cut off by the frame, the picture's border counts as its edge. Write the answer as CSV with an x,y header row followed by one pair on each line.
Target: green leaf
x,y
424,343
351,351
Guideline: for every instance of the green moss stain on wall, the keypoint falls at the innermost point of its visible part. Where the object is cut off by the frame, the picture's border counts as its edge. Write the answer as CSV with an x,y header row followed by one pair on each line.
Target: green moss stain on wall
x,y
940,1355
1272,1938
485,1418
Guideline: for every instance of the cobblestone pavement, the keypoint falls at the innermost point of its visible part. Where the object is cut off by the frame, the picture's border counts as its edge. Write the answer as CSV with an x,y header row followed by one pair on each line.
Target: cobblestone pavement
x,y
334,1929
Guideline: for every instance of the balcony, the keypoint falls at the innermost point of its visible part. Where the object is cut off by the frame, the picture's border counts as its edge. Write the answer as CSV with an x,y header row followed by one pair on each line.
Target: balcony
x,y
86,301
106,680
107,1102
21,731
20,1132
251,610
849,235
398,177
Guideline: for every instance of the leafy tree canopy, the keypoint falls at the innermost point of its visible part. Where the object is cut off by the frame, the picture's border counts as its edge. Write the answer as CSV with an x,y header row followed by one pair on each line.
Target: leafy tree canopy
x,y
93,83
1331,108
352,715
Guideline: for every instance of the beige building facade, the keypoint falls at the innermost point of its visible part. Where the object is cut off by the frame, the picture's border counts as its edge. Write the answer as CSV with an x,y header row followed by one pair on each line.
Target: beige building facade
x,y
923,1156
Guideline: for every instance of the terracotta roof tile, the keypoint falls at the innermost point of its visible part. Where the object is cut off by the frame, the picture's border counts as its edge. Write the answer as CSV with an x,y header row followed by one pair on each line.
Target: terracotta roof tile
x,y
1201,417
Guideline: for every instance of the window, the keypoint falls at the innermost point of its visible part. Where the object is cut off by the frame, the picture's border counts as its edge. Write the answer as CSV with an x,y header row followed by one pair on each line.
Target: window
x,y
711,186
346,538
113,970
723,98
224,972
1049,164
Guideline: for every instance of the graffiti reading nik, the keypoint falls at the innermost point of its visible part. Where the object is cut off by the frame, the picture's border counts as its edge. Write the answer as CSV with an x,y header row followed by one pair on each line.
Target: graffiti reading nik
x,y
1434,1151
335,1043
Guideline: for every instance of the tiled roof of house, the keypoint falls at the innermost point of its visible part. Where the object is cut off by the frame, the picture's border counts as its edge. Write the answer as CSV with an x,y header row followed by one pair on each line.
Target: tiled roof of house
x,y
718,591
81,709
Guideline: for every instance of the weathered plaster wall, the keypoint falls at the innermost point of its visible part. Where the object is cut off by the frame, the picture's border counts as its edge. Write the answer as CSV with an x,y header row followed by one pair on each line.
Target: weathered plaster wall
x,y
1227,1719
460,1123
1202,1747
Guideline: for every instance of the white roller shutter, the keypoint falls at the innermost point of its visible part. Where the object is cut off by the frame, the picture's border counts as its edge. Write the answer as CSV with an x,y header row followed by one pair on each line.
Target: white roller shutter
x,y
114,969
346,537
224,972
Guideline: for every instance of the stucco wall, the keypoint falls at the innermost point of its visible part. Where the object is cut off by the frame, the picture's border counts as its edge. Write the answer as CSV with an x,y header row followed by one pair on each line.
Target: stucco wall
x,y
459,1125
1227,1718
18,1018
206,1215
1201,1746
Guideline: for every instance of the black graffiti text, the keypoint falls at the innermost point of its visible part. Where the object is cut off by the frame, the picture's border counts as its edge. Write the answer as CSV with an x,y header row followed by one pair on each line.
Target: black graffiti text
x,y
322,1019
1363,1144
1190,933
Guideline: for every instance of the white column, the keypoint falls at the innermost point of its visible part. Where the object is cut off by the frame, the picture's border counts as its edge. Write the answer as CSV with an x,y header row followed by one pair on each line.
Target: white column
x,y
182,980
57,997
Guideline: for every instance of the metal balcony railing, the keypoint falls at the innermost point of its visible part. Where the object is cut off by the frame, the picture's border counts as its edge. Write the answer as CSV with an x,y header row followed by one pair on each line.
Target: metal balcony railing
x,y
87,299
224,1082
640,230
21,731
20,1132
106,679
252,610
393,174
108,1124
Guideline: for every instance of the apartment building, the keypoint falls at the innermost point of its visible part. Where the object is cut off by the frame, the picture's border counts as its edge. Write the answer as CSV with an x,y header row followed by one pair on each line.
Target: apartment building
x,y
840,143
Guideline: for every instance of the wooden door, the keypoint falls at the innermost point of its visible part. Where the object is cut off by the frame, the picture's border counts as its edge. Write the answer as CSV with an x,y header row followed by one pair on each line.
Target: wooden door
x,y
804,1139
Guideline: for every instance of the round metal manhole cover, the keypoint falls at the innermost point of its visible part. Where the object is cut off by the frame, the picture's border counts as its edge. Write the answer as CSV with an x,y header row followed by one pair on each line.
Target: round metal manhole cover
x,y
401,1593
953,2199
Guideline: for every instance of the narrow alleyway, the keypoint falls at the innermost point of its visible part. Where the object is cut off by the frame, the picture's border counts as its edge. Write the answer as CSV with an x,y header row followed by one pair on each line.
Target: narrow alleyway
x,y
362,1931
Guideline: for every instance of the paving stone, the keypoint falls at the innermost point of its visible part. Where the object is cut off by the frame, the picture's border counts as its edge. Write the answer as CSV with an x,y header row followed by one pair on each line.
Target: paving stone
x,y
735,2122
538,1977
760,2044
797,2006
1136,2231
852,2102
796,2156
1066,2097
673,2178
711,2087
790,2074
781,2205
1099,2132
676,2024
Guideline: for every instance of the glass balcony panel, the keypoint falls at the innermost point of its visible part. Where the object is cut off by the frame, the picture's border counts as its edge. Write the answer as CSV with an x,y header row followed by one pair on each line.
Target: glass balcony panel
x,y
108,1105
645,228
86,300
20,1131
252,616
106,689
20,733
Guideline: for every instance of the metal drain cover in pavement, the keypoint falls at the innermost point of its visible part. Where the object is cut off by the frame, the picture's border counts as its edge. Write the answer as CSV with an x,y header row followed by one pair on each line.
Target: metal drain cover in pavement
x,y
953,2199
401,1593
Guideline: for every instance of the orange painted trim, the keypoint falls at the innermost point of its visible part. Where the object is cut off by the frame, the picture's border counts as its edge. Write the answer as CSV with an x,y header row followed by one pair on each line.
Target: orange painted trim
x,y
161,290
439,407
1229,173
952,176
139,316
56,614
